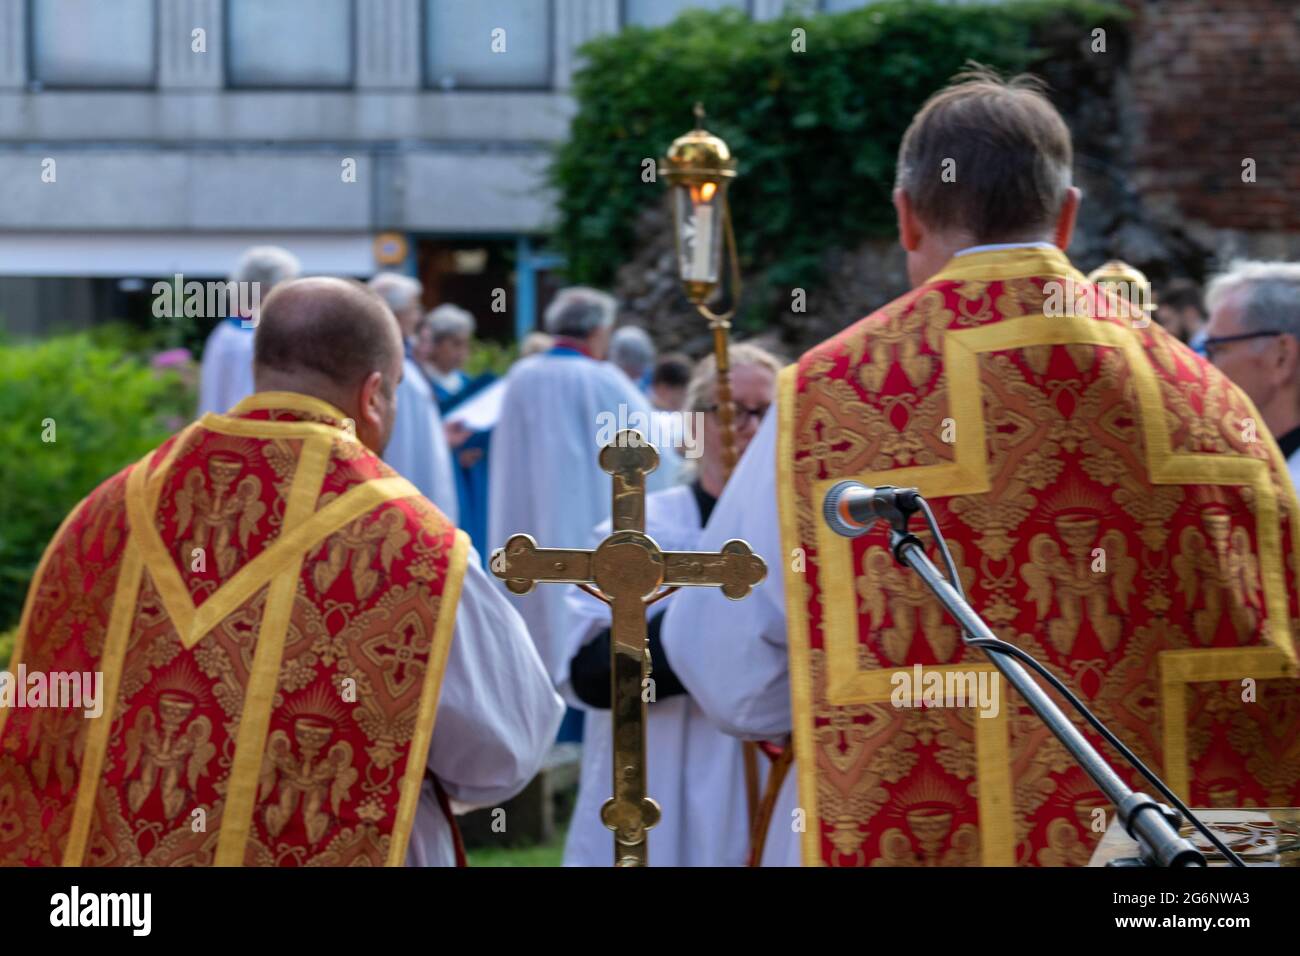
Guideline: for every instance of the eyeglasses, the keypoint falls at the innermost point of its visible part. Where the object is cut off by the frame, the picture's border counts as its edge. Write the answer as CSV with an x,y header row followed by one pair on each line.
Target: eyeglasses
x,y
743,412
1208,346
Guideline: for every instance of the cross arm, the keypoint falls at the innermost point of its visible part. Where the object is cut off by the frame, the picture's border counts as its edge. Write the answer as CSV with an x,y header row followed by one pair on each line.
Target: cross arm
x,y
735,569
522,564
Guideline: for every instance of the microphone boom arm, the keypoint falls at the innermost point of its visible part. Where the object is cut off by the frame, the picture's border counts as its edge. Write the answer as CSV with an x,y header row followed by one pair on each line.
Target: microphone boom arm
x,y
1151,824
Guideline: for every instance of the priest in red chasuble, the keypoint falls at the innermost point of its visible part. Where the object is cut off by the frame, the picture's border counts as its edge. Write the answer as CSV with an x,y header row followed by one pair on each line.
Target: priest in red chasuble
x,y
1115,507
287,633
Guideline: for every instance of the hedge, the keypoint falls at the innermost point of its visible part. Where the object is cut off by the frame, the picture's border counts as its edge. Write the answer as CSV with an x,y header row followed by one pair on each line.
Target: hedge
x,y
816,133
102,407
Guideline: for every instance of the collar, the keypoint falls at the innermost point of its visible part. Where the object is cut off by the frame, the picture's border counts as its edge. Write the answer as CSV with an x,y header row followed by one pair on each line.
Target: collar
x,y
294,404
1289,442
1012,260
990,246
569,346
452,381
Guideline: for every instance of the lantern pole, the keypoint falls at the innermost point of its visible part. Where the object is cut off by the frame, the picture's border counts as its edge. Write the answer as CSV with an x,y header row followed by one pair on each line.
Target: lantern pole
x,y
700,157
720,325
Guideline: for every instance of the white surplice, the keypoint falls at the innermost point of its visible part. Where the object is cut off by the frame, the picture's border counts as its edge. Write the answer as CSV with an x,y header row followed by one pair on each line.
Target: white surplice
x,y
694,771
731,656
418,449
496,719
545,479
226,372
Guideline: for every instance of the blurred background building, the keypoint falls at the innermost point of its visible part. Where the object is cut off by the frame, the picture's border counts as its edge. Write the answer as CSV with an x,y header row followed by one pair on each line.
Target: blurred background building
x,y
144,138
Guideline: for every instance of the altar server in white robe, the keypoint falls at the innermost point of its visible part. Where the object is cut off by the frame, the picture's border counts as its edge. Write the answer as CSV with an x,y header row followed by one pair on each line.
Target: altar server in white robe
x,y
694,770
560,408
226,372
739,676
496,719
418,449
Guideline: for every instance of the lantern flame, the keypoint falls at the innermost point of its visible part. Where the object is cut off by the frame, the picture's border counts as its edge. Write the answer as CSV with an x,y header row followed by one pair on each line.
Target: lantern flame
x,y
707,190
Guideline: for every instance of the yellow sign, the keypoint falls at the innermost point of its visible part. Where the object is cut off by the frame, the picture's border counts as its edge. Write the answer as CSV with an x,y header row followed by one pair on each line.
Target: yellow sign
x,y
390,249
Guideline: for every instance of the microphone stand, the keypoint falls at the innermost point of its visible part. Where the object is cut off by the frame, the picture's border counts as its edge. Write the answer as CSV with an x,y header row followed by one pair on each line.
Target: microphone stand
x,y
1153,825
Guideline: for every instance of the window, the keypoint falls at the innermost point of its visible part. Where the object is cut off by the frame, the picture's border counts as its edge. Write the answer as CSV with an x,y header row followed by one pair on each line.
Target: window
x,y
289,43
655,13
492,44
92,43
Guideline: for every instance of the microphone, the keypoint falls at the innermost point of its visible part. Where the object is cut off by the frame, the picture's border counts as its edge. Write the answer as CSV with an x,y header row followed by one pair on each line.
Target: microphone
x,y
851,508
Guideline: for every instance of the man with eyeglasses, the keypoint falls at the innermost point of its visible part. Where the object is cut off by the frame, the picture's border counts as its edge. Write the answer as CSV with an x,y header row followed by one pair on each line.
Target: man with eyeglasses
x,y
1253,336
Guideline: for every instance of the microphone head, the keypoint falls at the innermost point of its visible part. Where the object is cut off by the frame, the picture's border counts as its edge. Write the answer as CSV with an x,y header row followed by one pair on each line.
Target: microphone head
x,y
837,516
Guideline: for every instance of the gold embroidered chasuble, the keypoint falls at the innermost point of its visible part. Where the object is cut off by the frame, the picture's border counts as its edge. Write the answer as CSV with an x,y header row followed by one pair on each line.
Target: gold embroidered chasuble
x,y
271,607
1115,507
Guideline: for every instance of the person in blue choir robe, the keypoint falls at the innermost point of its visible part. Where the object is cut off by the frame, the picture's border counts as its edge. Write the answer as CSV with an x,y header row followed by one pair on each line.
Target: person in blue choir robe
x,y
442,346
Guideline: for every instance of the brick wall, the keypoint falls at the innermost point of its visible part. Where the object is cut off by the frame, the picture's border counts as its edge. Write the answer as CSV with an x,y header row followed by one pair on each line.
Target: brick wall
x,y
1214,82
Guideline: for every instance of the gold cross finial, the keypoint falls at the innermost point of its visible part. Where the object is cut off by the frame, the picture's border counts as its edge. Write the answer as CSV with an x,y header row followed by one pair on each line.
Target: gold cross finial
x,y
627,570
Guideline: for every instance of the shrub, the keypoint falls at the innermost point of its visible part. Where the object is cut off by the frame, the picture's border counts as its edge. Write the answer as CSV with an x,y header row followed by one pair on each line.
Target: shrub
x,y
488,356
103,408
815,133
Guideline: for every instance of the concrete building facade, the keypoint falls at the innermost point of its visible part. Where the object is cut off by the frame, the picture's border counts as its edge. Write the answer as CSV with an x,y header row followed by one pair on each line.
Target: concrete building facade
x,y
144,138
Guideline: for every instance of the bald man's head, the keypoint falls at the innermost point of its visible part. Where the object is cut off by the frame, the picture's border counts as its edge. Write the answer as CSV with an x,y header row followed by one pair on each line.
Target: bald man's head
x,y
336,340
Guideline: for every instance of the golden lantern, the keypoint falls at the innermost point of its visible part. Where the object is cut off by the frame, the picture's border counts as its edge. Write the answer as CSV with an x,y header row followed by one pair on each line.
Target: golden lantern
x,y
698,168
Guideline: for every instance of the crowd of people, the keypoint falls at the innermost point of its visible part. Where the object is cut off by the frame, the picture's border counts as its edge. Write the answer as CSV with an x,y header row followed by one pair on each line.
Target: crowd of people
x,y
1041,442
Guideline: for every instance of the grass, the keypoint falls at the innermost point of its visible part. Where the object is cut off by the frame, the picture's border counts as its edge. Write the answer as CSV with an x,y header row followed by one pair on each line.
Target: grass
x,y
542,854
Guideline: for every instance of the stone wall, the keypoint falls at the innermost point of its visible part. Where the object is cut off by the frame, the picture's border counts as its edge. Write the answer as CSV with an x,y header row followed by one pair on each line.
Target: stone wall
x,y
1213,83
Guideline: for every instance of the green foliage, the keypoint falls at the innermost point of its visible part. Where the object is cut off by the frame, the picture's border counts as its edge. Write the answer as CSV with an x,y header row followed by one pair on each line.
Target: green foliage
x,y
488,356
124,337
815,133
107,409
7,646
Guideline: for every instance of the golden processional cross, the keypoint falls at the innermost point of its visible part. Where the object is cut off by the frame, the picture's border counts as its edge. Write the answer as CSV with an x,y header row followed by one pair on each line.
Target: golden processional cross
x,y
626,571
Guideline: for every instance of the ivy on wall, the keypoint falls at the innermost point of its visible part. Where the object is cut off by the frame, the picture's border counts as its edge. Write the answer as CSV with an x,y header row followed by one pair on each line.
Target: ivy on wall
x,y
814,119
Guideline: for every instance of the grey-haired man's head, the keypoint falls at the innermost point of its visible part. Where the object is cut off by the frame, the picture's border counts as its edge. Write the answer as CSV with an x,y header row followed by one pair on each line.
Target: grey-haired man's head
x,y
1253,336
582,314
403,295
259,270
632,350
